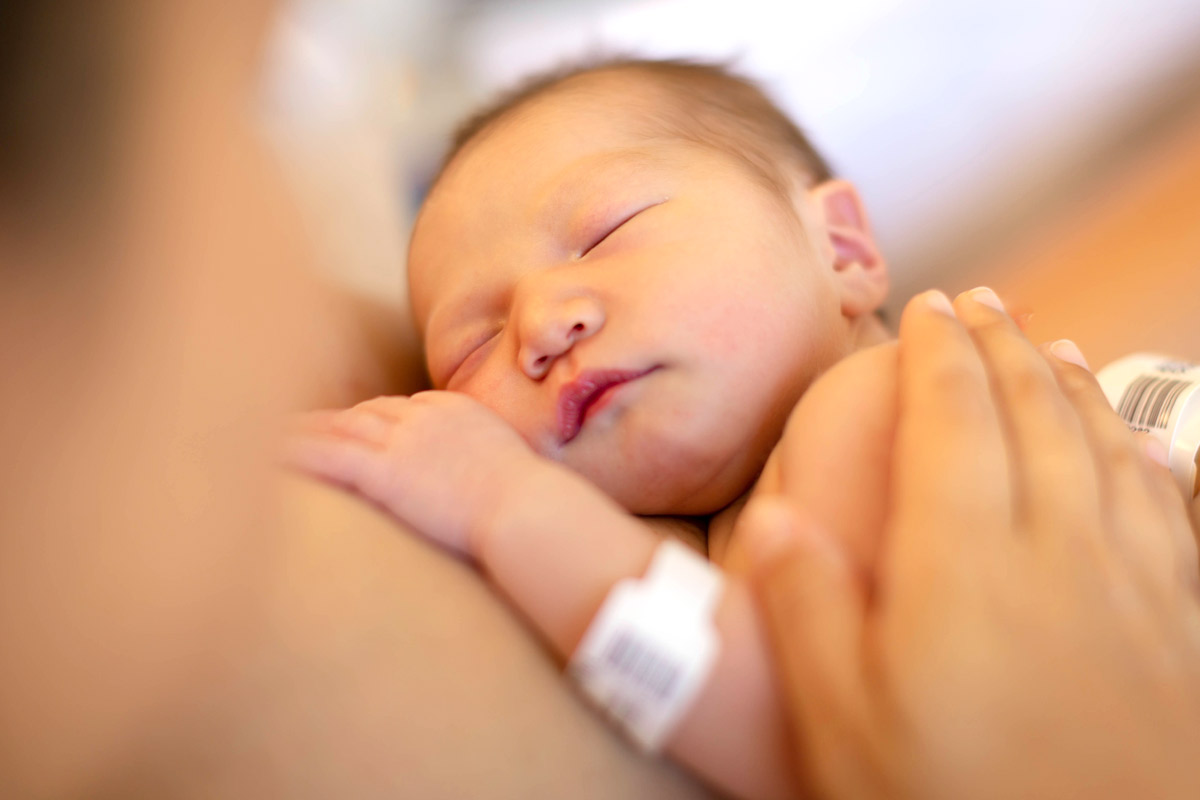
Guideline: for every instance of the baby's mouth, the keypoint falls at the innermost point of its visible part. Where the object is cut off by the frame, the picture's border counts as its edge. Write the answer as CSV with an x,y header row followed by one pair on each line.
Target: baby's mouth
x,y
587,393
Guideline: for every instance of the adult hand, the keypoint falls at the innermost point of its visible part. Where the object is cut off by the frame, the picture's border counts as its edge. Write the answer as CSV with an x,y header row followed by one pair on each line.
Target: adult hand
x,y
1032,628
438,461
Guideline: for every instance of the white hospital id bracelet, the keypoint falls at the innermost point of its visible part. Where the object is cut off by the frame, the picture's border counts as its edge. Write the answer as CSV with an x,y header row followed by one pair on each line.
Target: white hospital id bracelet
x,y
652,644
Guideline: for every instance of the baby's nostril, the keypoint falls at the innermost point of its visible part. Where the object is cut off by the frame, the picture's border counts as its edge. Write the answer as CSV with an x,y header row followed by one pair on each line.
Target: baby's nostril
x,y
542,360
578,327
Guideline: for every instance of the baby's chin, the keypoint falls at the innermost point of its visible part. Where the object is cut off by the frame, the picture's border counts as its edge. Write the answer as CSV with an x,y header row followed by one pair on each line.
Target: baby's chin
x,y
683,488
678,462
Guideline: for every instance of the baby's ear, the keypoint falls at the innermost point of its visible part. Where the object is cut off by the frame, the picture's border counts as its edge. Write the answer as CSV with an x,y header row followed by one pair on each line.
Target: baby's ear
x,y
859,267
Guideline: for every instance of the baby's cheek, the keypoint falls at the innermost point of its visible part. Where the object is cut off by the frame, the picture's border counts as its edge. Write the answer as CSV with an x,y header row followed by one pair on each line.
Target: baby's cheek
x,y
494,389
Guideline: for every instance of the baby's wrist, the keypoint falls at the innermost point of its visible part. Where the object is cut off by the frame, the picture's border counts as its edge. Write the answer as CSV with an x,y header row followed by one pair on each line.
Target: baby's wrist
x,y
506,504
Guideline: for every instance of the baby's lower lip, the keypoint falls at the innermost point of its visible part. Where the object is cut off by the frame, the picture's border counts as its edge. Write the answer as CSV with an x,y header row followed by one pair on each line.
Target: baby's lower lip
x,y
605,398
571,420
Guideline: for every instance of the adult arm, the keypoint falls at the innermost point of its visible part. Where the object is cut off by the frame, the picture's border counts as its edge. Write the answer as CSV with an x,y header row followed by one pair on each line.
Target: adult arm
x,y
385,668
367,347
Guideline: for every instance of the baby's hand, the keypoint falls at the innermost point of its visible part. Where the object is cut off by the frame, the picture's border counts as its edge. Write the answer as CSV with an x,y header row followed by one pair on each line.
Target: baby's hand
x,y
438,461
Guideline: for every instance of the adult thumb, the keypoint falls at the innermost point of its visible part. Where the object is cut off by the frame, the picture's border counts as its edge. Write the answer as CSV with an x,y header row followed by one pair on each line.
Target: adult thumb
x,y
814,605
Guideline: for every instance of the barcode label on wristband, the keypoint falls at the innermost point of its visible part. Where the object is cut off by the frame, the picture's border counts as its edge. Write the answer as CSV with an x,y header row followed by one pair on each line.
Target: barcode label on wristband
x,y
651,645
1160,397
642,665
1148,401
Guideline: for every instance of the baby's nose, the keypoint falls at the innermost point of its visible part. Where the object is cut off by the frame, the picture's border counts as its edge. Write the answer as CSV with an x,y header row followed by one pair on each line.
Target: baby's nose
x,y
552,331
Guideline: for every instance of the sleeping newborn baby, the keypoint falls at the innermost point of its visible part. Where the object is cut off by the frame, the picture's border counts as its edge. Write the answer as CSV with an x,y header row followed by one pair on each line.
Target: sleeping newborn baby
x,y
626,277
641,267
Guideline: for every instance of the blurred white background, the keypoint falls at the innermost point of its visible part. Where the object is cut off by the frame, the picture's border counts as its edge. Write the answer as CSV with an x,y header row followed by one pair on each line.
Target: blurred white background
x,y
962,122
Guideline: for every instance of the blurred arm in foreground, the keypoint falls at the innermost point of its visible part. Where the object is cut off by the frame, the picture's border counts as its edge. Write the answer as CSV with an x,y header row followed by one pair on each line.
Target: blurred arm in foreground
x,y
174,623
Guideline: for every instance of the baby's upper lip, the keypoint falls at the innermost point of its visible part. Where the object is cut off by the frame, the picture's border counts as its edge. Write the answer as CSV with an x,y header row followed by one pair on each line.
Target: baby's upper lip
x,y
579,394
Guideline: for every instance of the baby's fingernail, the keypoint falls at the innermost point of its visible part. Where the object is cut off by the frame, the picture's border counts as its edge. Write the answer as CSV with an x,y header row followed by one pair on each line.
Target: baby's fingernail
x,y
939,302
986,297
1155,450
1068,351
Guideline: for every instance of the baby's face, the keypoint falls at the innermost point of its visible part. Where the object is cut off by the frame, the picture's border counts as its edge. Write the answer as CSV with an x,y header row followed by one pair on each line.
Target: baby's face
x,y
641,310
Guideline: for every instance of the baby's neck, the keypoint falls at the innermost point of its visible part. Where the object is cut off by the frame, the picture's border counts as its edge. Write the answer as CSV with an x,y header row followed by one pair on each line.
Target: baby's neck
x,y
692,531
869,331
708,534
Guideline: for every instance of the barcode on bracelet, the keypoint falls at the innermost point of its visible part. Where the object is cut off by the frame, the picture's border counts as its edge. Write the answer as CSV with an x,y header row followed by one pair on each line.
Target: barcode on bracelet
x,y
642,665
1148,402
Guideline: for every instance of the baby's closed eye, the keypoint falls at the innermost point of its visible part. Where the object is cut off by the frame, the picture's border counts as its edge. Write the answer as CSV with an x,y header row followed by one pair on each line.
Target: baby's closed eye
x,y
479,346
614,224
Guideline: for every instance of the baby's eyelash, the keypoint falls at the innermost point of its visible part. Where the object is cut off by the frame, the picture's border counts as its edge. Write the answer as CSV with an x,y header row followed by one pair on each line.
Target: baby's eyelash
x,y
616,228
471,352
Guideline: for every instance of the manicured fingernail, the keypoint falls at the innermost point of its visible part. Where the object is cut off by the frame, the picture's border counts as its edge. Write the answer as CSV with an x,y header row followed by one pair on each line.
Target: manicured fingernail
x,y
1069,351
986,297
1156,451
939,302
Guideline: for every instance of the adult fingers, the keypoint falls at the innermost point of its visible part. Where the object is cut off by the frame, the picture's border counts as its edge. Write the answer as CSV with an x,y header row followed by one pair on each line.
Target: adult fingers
x,y
1178,511
950,468
1052,466
1145,516
814,607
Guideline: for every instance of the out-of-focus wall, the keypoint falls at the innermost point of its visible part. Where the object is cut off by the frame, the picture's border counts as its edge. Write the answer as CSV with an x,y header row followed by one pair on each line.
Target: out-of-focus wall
x,y
359,94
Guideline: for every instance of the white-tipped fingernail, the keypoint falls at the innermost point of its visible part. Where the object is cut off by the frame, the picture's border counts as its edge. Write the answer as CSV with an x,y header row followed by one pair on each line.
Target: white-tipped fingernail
x,y
1068,351
939,302
986,297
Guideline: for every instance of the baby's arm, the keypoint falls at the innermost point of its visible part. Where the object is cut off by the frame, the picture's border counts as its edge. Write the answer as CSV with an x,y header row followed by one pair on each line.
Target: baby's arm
x,y
554,545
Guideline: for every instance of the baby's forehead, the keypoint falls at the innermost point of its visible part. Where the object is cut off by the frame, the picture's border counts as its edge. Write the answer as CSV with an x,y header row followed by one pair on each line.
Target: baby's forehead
x,y
588,133
536,155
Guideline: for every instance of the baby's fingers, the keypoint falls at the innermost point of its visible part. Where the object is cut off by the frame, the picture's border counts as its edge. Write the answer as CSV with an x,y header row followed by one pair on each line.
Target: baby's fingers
x,y
334,459
371,422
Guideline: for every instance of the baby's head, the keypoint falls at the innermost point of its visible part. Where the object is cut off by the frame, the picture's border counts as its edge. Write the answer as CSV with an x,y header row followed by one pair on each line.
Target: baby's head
x,y
642,266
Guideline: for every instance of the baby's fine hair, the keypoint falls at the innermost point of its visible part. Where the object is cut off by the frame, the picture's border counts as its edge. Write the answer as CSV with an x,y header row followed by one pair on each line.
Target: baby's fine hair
x,y
704,102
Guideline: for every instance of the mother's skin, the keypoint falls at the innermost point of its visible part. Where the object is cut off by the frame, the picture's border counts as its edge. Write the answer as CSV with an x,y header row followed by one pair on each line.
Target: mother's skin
x,y
402,676
176,619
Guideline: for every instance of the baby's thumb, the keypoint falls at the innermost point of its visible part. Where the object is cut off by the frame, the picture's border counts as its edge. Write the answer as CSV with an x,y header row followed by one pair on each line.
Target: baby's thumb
x,y
813,603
